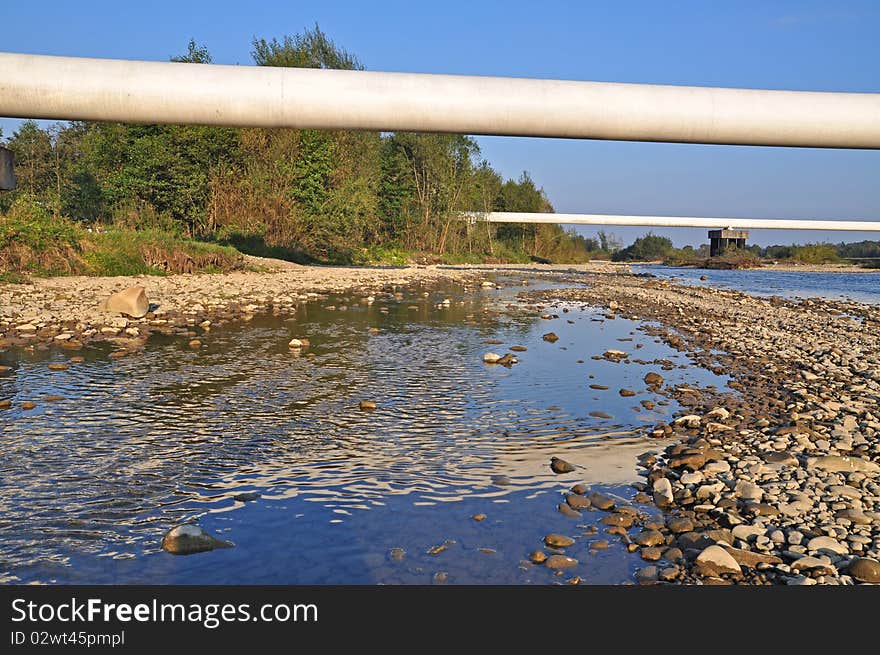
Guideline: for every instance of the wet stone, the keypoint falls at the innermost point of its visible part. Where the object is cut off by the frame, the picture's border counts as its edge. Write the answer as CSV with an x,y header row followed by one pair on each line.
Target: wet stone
x,y
559,562
578,502
538,557
190,539
649,538
558,465
555,540
601,501
566,510
651,554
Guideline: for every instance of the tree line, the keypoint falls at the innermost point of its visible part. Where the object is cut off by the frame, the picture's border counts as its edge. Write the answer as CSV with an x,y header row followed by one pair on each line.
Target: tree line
x,y
652,247
307,195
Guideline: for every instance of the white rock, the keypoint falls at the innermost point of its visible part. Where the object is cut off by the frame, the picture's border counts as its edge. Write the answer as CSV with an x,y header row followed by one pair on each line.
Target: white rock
x,y
663,492
836,463
491,358
827,543
719,413
716,467
720,559
691,478
689,420
132,301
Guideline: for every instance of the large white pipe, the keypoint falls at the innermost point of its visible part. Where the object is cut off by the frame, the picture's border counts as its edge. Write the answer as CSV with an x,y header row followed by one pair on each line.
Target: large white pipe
x,y
38,86
676,221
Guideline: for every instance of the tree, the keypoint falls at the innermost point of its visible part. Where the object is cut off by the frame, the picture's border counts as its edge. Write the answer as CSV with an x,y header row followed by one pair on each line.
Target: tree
x,y
195,54
311,49
32,148
647,248
609,242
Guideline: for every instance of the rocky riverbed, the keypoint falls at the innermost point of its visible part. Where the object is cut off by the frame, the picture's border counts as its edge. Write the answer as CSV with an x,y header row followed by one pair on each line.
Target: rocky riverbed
x,y
777,483
774,481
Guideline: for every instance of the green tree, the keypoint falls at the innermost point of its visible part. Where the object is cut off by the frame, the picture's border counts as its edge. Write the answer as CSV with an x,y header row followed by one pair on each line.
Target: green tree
x,y
311,49
647,248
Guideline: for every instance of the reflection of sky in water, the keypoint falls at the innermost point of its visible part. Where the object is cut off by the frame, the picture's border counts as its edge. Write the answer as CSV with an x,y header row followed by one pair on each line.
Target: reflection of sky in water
x,y
861,287
90,483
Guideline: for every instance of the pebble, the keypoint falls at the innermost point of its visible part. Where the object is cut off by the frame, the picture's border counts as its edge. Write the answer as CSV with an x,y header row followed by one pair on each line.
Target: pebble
x,y
558,465
555,540
538,557
558,562
826,543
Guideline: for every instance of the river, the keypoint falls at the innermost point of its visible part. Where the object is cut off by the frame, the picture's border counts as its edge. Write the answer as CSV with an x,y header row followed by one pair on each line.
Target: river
x,y
117,451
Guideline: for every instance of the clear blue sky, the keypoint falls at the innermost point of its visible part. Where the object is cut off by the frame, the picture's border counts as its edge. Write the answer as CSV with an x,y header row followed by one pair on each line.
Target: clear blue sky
x,y
811,45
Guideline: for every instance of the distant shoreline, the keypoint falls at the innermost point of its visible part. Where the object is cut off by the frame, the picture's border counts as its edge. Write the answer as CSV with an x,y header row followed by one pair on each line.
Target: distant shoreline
x,y
782,268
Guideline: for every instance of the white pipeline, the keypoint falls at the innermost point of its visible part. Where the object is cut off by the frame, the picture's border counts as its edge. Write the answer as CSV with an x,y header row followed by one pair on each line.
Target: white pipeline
x,y
68,88
676,221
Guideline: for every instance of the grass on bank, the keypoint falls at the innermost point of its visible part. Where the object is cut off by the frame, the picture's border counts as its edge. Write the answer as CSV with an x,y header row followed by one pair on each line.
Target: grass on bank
x,y
33,242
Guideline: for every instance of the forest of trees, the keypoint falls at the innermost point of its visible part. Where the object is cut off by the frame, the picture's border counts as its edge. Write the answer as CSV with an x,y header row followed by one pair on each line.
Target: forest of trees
x,y
307,195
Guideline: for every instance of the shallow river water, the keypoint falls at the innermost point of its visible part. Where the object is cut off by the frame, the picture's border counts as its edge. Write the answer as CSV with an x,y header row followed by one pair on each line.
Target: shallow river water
x,y
90,482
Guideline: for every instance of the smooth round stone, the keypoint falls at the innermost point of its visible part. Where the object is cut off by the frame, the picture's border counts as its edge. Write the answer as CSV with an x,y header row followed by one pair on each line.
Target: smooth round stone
x,y
578,502
555,540
558,562
865,569
827,543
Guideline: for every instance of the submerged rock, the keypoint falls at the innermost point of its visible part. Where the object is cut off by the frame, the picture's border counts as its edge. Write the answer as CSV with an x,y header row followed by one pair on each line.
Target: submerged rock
x,y
189,539
555,540
367,406
558,562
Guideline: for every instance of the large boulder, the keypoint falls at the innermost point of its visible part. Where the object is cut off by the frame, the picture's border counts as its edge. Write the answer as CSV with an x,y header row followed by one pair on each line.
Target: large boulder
x,y
132,302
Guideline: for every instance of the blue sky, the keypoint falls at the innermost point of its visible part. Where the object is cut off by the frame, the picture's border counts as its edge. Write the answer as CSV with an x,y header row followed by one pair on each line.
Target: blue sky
x,y
819,46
